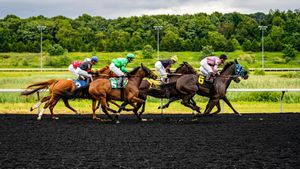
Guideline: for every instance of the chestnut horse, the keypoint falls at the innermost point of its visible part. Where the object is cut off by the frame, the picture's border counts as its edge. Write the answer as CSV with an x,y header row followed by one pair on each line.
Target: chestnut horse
x,y
62,89
101,90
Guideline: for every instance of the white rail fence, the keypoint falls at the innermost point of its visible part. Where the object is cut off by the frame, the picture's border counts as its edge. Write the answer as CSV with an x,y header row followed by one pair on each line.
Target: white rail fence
x,y
283,91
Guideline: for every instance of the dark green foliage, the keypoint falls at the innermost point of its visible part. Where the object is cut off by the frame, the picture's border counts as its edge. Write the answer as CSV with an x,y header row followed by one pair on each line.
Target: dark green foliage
x,y
148,52
56,49
289,52
224,32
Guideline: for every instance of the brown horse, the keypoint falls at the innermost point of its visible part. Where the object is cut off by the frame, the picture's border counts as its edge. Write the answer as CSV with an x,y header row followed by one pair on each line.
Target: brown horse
x,y
184,68
188,85
62,89
101,90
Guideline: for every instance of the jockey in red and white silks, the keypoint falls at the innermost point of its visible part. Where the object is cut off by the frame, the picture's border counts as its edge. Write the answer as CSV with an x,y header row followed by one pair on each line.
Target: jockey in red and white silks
x,y
209,65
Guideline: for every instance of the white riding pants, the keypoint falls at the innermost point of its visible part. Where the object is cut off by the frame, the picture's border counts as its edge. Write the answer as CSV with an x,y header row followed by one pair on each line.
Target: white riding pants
x,y
83,73
160,68
116,70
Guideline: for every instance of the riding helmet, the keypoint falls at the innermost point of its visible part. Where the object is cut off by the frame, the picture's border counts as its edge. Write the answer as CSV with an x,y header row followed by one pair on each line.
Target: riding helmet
x,y
94,59
223,56
130,55
174,58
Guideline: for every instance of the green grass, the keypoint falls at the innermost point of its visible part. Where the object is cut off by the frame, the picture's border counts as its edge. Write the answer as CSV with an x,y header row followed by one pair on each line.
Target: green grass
x,y
243,101
247,59
85,107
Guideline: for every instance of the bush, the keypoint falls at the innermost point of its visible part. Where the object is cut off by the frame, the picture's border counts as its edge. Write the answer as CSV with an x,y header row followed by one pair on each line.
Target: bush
x,y
25,62
279,60
291,75
58,61
56,49
148,52
206,51
289,52
247,58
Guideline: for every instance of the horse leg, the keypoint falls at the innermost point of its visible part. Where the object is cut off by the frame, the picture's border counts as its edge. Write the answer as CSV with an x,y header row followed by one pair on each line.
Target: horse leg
x,y
40,114
117,114
40,102
186,102
94,108
66,102
53,102
210,105
168,103
218,108
229,104
192,102
104,107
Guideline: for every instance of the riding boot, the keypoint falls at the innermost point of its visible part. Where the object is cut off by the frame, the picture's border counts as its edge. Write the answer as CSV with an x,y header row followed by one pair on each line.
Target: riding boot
x,y
121,78
88,81
209,77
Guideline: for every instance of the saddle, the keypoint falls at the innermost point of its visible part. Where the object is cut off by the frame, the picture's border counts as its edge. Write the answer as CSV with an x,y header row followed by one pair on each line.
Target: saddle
x,y
80,85
203,83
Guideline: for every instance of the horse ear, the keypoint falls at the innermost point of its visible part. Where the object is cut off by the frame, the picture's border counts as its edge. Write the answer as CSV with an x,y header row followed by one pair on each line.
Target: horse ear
x,y
235,60
142,65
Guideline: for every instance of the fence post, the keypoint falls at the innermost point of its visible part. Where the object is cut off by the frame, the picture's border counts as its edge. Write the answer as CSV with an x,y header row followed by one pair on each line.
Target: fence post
x,y
38,94
222,107
281,98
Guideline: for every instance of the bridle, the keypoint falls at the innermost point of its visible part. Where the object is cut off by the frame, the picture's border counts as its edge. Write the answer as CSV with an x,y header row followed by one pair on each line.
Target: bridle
x,y
238,71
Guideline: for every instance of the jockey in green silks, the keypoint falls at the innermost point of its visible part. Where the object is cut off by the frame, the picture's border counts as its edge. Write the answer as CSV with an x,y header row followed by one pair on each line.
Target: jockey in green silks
x,y
118,66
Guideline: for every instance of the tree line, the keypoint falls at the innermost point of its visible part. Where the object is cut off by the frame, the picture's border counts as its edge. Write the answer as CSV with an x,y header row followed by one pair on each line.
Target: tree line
x,y
224,32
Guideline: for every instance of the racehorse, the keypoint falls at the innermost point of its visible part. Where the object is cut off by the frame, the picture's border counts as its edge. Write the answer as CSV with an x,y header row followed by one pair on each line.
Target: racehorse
x,y
184,68
62,89
189,85
101,90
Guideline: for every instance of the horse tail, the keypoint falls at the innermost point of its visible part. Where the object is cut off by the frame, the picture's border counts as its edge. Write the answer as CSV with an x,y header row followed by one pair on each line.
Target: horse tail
x,y
41,85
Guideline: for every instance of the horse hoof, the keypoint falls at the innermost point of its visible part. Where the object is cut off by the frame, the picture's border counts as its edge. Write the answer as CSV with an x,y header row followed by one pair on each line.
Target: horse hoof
x,y
39,118
97,119
117,122
55,118
144,120
31,108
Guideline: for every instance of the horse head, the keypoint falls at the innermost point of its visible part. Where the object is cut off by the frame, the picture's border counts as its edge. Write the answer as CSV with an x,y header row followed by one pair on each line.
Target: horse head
x,y
185,68
148,73
235,70
142,71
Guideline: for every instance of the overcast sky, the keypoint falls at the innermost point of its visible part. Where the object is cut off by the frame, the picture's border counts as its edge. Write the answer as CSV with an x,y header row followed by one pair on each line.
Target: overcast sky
x,y
111,9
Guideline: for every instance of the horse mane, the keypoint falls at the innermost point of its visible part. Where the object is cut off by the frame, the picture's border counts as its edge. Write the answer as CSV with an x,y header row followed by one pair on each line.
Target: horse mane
x,y
132,72
188,65
226,66
103,69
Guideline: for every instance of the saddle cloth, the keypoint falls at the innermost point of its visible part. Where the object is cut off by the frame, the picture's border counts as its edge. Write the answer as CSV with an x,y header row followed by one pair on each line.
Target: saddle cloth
x,y
114,83
80,84
203,83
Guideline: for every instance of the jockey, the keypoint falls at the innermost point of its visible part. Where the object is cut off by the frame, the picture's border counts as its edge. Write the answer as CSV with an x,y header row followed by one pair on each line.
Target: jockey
x,y
73,66
163,67
209,66
85,68
118,66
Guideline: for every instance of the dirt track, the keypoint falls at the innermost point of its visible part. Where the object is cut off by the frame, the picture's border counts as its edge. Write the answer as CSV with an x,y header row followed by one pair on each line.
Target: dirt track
x,y
169,141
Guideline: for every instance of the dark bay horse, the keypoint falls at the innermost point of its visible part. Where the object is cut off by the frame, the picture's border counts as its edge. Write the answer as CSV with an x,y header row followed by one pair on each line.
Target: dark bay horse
x,y
184,68
189,85
101,90
62,89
